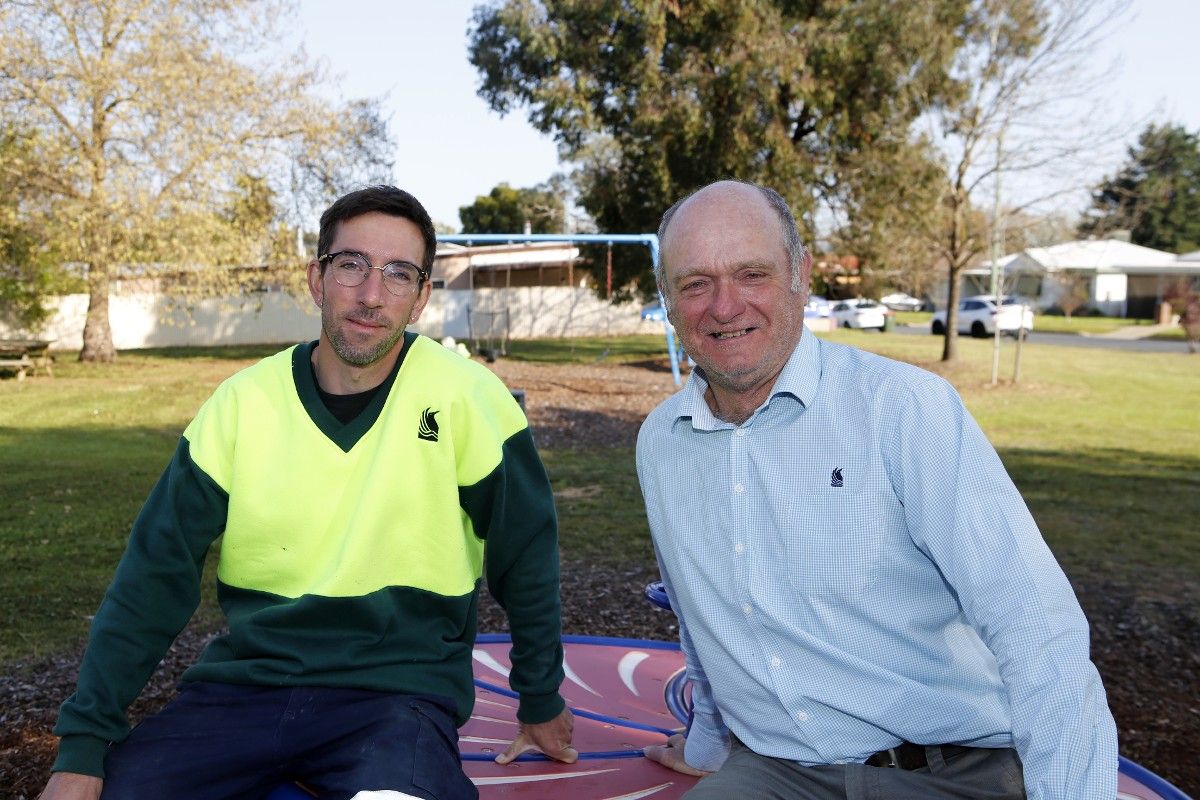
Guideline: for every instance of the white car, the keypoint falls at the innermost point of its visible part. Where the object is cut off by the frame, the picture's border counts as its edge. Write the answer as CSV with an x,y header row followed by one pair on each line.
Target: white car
x,y
817,307
859,314
654,312
980,317
899,301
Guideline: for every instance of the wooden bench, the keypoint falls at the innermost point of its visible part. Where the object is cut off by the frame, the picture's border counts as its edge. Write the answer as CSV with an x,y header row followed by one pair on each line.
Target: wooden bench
x,y
26,356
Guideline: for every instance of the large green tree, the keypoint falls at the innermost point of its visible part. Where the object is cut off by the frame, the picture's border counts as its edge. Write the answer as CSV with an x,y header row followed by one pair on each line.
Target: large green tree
x,y
1155,195
887,221
146,118
508,210
654,98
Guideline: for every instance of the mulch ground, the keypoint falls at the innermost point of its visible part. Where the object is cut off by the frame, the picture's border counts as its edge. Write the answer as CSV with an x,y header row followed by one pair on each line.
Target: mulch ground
x,y
1147,649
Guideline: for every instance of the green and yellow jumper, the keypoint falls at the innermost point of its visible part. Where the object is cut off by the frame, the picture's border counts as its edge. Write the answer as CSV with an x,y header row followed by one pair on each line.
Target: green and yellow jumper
x,y
352,554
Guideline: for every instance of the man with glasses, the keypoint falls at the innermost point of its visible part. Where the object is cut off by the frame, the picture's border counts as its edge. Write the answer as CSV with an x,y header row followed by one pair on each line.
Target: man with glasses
x,y
358,482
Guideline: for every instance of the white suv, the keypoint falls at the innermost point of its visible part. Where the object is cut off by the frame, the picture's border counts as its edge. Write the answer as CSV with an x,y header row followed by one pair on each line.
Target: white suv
x,y
859,314
979,316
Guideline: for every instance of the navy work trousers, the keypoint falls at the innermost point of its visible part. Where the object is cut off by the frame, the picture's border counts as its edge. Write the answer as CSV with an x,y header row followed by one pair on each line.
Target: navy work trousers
x,y
220,741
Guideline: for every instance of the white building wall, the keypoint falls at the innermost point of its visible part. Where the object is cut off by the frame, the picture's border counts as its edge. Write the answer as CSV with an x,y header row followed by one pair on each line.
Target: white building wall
x,y
148,320
533,312
1110,292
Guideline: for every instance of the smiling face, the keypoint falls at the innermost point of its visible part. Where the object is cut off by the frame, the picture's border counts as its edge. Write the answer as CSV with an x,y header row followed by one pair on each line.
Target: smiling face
x,y
362,327
729,289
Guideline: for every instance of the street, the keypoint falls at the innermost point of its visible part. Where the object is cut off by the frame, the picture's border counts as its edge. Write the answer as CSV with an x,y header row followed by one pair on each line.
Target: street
x,y
1074,340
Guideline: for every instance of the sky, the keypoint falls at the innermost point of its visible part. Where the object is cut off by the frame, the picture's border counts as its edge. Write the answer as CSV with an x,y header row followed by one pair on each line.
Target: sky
x,y
451,147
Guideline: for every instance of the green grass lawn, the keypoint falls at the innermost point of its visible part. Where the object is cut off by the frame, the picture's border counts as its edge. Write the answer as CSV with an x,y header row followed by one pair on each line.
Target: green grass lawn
x,y
1047,323
78,454
1175,334
1105,446
912,317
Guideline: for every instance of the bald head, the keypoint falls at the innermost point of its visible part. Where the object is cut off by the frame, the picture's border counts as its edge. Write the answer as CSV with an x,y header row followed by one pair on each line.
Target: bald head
x,y
745,202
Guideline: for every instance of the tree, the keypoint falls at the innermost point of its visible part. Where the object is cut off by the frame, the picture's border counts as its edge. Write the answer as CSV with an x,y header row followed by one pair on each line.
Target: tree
x,y
654,98
1073,292
27,275
1023,229
1025,71
885,223
508,210
251,209
1184,297
144,115
1156,195
26,272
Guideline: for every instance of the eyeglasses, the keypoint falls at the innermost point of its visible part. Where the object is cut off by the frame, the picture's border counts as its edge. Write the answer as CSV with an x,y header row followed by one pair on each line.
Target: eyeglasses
x,y
350,269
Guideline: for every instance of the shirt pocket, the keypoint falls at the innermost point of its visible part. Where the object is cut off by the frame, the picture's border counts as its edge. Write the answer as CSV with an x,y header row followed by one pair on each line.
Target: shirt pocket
x,y
833,541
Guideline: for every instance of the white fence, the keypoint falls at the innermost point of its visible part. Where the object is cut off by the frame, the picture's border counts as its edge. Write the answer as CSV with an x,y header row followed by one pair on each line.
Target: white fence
x,y
148,320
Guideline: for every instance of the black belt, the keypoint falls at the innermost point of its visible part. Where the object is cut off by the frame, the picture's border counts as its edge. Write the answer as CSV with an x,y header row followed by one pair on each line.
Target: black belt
x,y
909,756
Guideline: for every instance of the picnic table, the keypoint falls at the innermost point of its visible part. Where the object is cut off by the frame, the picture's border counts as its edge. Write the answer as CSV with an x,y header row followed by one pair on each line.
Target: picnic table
x,y
26,356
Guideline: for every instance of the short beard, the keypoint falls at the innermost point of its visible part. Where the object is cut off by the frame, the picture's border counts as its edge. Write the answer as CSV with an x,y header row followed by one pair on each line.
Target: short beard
x,y
354,355
740,381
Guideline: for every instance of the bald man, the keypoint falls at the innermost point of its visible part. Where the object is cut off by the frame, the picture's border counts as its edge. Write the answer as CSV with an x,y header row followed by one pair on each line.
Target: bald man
x,y
866,606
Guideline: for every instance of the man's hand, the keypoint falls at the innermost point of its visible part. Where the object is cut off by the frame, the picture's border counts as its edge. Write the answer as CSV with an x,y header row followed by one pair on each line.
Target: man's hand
x,y
72,786
671,755
552,737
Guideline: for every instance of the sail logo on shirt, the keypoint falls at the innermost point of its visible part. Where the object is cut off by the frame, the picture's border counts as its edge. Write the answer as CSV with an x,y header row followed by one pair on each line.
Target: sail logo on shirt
x,y
835,480
428,429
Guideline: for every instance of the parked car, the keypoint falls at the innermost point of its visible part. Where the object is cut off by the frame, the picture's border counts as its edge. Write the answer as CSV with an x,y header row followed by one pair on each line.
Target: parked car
x,y
899,301
859,314
979,316
817,307
654,312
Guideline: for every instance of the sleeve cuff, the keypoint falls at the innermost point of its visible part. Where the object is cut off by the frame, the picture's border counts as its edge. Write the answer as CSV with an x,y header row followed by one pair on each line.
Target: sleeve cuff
x,y
707,747
81,754
535,708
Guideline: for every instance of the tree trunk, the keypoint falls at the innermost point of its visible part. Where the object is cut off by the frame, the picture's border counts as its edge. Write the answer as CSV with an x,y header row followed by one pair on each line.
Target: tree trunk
x,y
950,342
97,333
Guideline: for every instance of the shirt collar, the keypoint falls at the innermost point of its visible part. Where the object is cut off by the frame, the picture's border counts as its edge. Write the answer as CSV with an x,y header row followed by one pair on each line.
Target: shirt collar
x,y
693,406
799,379
802,373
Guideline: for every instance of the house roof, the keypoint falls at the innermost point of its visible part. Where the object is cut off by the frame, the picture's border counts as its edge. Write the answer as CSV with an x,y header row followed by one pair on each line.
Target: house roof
x,y
1102,255
985,268
1096,255
515,256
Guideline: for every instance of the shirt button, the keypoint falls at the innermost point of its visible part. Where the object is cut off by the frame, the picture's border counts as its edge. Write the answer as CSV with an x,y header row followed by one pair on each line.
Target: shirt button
x,y
747,609
737,487
739,547
775,662
801,716
741,431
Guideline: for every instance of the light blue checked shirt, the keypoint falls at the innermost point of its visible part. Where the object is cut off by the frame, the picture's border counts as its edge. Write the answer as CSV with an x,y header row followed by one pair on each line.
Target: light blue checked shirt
x,y
852,567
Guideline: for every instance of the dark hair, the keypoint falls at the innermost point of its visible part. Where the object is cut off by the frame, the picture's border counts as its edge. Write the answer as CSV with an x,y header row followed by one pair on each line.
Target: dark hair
x,y
386,200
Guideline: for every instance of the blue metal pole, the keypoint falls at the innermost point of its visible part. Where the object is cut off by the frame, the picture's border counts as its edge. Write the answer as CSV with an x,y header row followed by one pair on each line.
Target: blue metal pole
x,y
648,239
673,353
